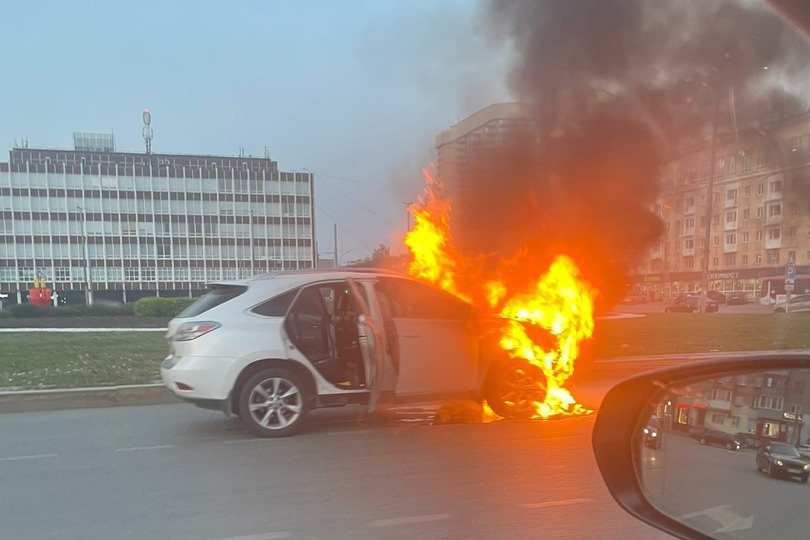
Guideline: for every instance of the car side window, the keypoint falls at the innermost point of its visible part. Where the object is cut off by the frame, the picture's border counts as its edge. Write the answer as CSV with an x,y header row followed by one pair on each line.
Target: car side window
x,y
276,306
411,300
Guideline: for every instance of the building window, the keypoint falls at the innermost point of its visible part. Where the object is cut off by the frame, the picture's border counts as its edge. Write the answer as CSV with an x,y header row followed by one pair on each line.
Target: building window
x,y
793,232
758,259
61,274
760,189
731,259
744,237
147,274
746,214
745,260
765,401
798,387
773,256
774,233
774,210
715,262
131,273
731,216
758,212
758,236
794,207
715,240
776,186
718,418
735,421
732,166
747,191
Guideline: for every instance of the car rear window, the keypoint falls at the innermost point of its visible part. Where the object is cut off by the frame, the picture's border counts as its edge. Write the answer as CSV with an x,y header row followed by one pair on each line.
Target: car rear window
x,y
276,306
218,294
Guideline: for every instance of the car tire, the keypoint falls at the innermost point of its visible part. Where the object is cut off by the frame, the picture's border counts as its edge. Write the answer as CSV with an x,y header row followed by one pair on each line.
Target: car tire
x,y
730,446
770,470
702,440
274,403
513,387
804,478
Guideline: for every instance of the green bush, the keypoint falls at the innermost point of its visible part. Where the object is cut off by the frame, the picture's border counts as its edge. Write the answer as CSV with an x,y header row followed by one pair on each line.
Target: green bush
x,y
161,307
29,311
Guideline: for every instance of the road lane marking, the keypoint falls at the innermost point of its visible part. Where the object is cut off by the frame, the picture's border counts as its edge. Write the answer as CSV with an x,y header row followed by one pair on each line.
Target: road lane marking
x,y
261,439
551,504
263,536
35,456
407,520
137,448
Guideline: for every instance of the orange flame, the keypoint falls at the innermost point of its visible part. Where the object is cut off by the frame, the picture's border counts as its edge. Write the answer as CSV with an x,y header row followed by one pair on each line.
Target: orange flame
x,y
560,301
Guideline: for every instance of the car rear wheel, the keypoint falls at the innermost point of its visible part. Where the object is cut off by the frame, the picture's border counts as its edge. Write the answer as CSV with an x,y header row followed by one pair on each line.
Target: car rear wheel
x,y
730,446
702,440
273,403
513,388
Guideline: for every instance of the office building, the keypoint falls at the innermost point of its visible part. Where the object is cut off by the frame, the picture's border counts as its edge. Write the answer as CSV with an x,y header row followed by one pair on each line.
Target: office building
x,y
100,224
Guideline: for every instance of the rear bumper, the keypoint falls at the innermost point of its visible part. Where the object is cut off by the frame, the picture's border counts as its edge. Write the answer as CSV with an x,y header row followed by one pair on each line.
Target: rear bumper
x,y
198,379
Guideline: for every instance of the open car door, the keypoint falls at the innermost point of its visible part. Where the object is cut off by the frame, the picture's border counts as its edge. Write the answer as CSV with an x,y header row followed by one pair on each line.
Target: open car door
x,y
372,345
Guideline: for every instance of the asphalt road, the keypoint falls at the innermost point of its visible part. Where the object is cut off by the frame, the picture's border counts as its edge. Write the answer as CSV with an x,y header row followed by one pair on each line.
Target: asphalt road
x,y
177,472
719,490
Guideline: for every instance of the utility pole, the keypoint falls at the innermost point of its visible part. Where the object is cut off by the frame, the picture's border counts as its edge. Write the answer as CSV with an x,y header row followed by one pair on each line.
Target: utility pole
x,y
704,280
336,258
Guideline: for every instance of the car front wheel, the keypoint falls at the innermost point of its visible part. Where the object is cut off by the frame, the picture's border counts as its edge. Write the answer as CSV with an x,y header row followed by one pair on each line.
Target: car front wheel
x,y
513,388
273,403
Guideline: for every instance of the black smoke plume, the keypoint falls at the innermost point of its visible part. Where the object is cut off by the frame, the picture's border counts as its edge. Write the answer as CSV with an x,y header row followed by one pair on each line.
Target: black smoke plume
x,y
615,87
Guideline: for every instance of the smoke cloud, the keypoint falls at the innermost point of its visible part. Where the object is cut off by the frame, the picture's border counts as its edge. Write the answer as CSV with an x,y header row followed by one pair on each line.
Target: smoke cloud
x,y
615,86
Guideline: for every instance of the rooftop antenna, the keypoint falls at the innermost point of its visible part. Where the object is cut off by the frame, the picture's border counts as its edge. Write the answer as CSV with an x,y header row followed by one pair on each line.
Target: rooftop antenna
x,y
147,130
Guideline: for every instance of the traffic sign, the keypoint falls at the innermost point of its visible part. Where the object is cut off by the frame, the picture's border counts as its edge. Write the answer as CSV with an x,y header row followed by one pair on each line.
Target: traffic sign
x,y
790,272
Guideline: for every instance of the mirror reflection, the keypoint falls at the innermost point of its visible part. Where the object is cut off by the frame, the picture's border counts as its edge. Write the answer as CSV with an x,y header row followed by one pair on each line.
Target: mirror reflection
x,y
730,456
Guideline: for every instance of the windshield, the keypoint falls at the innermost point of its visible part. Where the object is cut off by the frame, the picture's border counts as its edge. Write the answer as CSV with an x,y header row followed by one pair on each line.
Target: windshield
x,y
785,450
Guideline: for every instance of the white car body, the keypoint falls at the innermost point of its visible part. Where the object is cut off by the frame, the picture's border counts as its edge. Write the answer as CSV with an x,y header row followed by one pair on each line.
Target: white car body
x,y
416,342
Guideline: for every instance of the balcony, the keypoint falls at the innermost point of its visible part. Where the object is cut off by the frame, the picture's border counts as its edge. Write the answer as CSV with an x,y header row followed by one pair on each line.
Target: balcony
x,y
719,405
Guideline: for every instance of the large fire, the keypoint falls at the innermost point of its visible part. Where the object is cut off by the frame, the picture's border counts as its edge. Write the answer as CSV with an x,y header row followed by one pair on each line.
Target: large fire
x,y
558,300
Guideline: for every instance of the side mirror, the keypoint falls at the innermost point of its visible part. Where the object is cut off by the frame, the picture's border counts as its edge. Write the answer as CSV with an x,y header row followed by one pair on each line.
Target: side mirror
x,y
703,475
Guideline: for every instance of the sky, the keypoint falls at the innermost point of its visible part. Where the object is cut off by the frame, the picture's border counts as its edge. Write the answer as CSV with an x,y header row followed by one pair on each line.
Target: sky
x,y
354,91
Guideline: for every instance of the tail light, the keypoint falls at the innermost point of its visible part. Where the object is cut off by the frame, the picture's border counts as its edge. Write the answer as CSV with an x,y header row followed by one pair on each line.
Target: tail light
x,y
193,330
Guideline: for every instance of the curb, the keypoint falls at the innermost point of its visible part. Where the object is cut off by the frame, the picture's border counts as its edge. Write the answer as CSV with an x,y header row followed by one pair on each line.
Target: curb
x,y
85,398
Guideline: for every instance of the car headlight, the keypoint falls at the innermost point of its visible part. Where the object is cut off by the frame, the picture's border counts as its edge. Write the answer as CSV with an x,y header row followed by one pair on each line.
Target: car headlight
x,y
646,431
806,467
779,462
655,434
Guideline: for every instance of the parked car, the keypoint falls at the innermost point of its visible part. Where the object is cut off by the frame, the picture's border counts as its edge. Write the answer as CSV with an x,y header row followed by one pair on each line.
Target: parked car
x,y
690,303
717,296
715,438
272,348
736,298
798,304
804,450
781,459
747,440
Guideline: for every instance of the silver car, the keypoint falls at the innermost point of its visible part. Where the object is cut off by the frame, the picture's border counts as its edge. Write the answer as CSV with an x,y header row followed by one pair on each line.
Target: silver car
x,y
798,304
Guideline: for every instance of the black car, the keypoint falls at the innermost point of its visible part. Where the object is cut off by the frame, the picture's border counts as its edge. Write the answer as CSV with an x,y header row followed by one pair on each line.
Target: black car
x,y
689,303
716,438
747,440
736,298
652,433
717,296
781,459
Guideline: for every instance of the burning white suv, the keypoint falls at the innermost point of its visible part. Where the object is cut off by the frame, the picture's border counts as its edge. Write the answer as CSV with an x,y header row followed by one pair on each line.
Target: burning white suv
x,y
272,348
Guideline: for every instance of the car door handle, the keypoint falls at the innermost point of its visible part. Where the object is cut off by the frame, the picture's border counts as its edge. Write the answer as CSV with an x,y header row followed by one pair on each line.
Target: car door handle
x,y
315,326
